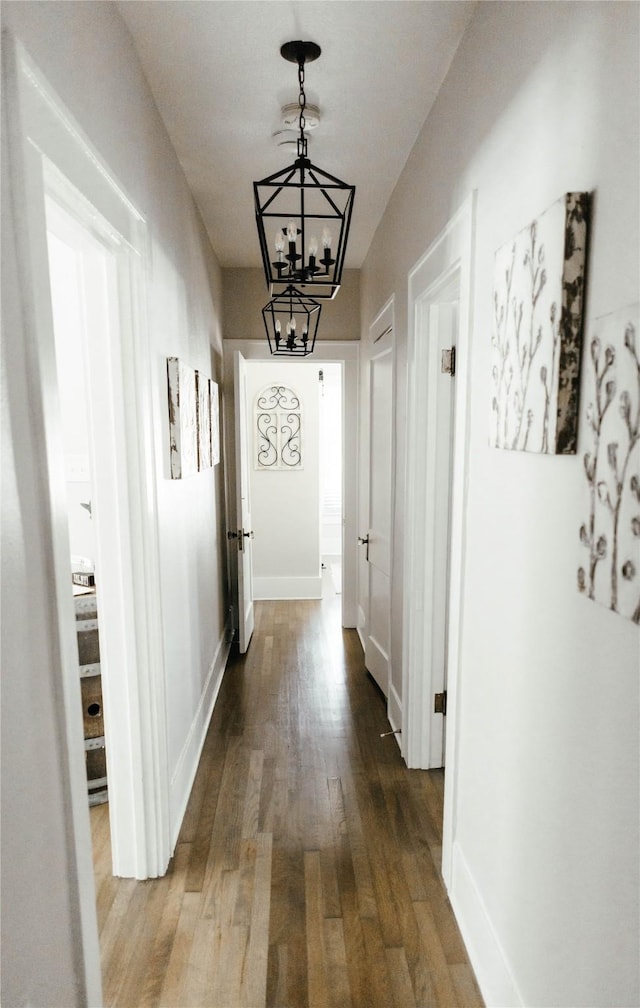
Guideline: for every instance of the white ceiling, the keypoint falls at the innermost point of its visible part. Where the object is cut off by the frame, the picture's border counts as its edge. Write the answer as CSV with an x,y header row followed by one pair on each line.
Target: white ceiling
x,y
215,69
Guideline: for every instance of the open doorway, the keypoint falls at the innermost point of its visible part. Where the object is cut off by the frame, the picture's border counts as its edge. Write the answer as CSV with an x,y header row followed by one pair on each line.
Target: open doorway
x,y
344,356
295,469
70,253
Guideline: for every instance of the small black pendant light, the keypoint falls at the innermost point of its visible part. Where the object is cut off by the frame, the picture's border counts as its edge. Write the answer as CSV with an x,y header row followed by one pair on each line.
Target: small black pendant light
x,y
291,322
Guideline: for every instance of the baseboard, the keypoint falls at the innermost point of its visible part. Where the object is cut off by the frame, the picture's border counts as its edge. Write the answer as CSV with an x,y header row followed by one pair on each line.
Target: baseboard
x,y
266,588
484,949
185,772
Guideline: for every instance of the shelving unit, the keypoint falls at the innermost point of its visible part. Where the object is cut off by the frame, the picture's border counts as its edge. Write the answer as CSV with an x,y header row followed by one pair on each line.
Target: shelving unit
x,y
86,606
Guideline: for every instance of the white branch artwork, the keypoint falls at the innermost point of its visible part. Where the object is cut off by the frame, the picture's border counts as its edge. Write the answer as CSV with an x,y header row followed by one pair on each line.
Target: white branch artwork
x,y
537,331
610,535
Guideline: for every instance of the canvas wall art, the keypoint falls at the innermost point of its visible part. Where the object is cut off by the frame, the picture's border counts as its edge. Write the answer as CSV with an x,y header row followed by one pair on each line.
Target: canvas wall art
x,y
204,422
194,426
537,331
609,571
214,410
183,418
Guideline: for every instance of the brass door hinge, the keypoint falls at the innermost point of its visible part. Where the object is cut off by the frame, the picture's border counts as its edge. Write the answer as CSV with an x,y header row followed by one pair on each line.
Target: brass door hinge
x,y
440,703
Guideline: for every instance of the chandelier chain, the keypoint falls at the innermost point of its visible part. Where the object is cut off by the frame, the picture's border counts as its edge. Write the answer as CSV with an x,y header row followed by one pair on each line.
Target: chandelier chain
x,y
302,98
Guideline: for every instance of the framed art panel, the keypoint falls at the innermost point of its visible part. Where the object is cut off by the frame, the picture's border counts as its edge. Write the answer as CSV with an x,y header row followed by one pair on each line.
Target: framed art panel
x,y
536,339
183,419
609,572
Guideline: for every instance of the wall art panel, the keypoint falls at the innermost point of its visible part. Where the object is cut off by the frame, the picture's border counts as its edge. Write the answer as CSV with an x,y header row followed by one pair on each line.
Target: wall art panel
x,y
183,418
278,429
214,409
537,331
610,534
204,422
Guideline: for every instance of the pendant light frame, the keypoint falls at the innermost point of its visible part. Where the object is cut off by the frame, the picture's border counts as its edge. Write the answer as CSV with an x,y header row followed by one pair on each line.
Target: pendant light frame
x,y
291,304
301,210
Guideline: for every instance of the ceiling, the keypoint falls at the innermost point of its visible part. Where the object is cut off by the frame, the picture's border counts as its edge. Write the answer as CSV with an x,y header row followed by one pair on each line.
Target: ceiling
x,y
215,69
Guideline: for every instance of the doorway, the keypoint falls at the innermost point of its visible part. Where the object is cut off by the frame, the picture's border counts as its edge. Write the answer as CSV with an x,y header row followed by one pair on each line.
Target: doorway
x,y
341,354
52,163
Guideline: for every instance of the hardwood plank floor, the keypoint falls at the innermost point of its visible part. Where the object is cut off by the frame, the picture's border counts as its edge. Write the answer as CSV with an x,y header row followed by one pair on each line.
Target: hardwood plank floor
x,y
307,872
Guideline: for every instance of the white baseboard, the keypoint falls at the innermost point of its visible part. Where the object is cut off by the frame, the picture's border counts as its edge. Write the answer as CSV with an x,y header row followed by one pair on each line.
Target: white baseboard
x,y
484,949
265,588
185,772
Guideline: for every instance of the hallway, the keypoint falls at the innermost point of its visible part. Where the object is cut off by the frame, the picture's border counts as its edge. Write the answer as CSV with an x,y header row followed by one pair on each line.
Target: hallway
x,y
307,868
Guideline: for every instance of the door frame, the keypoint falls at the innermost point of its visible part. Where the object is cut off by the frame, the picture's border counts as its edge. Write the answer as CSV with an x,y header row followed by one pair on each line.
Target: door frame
x,y
347,353
448,259
50,155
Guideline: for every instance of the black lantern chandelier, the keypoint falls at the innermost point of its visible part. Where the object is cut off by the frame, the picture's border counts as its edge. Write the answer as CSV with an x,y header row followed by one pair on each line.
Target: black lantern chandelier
x,y
303,214
291,321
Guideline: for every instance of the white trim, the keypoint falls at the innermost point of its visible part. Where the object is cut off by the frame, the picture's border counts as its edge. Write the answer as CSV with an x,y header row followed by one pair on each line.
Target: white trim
x,y
54,149
287,588
346,352
451,253
486,954
189,759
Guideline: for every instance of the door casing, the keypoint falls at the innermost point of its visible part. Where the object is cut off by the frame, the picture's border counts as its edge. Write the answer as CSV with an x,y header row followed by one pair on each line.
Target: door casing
x,y
448,261
50,156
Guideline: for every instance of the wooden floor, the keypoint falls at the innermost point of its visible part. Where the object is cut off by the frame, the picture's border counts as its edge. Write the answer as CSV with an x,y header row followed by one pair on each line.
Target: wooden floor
x,y
307,869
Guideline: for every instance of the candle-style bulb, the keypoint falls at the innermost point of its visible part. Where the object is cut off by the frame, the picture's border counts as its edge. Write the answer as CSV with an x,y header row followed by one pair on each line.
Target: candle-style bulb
x,y
279,243
278,327
292,323
292,231
326,238
313,246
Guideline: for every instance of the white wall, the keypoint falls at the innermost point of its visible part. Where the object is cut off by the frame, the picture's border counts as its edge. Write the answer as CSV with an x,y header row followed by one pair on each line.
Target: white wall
x,y
542,98
285,506
85,52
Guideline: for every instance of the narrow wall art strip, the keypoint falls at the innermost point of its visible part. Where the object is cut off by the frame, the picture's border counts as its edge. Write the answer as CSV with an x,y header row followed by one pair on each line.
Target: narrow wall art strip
x,y
609,571
183,418
536,339
194,423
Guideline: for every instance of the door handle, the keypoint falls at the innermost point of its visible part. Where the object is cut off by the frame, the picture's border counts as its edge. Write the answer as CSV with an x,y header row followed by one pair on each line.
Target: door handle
x,y
240,535
364,541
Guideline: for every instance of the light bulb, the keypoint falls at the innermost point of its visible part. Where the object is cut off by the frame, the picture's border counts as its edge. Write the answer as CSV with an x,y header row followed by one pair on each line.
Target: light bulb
x,y
292,231
279,240
292,323
278,327
313,246
326,238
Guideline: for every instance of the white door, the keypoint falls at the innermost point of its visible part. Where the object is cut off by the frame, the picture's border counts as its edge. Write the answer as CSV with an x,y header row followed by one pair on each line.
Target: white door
x,y
376,541
243,532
